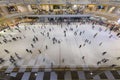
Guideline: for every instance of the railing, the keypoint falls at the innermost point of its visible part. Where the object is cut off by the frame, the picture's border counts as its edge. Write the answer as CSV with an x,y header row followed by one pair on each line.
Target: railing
x,y
45,1
60,1
105,1
19,14
109,16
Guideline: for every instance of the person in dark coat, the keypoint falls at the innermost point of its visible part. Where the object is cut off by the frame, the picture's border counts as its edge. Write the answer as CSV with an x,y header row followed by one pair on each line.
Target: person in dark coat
x,y
104,53
6,51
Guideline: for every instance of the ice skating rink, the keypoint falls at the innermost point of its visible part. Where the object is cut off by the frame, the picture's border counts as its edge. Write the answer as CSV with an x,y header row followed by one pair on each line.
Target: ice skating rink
x,y
69,50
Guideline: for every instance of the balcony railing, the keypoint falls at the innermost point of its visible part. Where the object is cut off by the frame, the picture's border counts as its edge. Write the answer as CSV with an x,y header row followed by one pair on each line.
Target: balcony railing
x,y
60,1
45,1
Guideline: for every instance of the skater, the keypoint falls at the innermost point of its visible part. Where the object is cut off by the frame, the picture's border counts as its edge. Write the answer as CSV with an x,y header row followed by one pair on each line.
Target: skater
x,y
15,64
49,29
89,42
17,56
30,51
46,47
0,42
39,51
95,35
47,34
83,32
59,42
118,58
53,42
33,30
63,60
64,35
86,40
12,60
93,27
14,39
51,64
76,26
83,57
80,46
117,34
6,51
106,29
110,36
100,44
5,41
100,29
75,33
32,45
84,44
104,60
104,53
44,60
113,65
80,33
27,50
99,62
1,60
34,40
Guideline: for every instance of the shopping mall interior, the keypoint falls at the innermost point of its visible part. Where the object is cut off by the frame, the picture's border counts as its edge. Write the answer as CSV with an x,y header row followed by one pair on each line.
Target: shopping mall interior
x,y
59,39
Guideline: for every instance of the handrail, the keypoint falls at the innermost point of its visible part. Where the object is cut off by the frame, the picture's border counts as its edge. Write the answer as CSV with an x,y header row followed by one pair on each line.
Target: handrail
x,y
18,14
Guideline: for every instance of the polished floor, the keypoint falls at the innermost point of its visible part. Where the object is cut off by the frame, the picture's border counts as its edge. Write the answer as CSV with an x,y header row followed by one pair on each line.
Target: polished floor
x,y
36,74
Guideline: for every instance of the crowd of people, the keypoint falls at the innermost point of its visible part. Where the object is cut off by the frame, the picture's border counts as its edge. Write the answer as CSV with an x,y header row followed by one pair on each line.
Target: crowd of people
x,y
47,33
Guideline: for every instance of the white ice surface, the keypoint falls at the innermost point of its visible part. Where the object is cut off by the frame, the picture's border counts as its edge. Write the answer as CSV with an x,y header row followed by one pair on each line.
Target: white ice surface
x,y
68,49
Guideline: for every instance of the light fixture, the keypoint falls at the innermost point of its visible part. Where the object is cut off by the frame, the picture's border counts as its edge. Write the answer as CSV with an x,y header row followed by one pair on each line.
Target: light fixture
x,y
35,74
74,7
118,21
91,73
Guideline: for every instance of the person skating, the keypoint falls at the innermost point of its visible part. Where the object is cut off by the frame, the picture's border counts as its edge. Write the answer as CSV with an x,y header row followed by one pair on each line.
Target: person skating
x,y
84,44
93,27
113,65
30,51
46,47
32,45
43,59
80,33
95,35
100,43
6,51
99,62
80,46
39,51
0,42
117,34
12,60
17,56
89,42
104,60
100,29
110,36
1,60
118,58
83,57
104,53
27,50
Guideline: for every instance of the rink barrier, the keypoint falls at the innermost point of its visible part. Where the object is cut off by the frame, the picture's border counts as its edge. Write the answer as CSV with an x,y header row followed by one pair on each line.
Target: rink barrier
x,y
29,69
